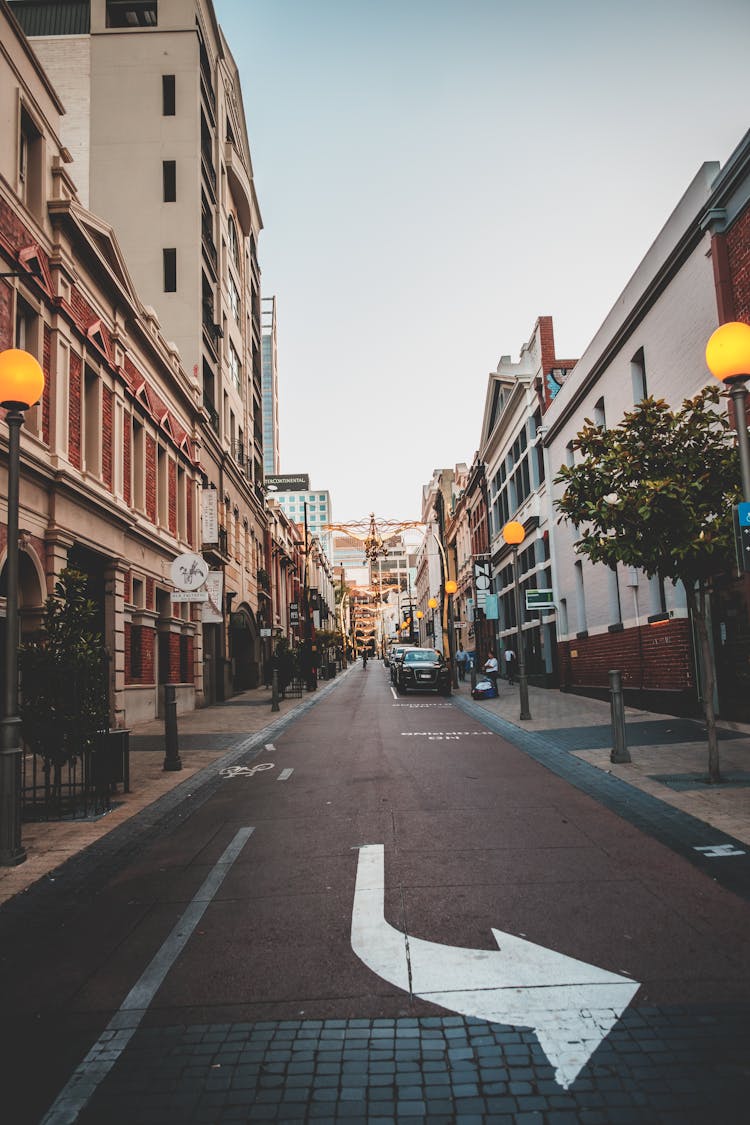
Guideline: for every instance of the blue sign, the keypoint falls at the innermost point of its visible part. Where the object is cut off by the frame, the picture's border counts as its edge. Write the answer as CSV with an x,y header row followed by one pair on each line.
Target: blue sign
x,y
743,515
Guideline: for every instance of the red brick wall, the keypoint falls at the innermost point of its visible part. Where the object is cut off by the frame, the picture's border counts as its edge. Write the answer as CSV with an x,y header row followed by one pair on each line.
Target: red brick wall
x,y
107,435
74,411
653,657
47,392
150,594
148,648
126,587
126,461
189,510
6,316
738,250
150,478
173,496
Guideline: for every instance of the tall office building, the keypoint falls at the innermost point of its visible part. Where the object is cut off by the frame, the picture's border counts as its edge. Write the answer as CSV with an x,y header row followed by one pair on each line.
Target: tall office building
x,y
270,388
156,127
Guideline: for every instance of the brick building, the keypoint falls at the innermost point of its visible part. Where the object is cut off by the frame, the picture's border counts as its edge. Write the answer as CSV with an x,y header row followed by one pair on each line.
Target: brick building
x,y
110,480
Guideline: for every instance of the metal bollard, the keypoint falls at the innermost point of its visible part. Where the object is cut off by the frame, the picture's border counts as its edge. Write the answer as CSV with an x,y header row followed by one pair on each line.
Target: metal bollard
x,y
172,757
275,691
620,751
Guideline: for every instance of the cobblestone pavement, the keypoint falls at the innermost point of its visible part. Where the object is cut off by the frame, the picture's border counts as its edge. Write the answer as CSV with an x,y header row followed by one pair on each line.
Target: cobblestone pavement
x,y
670,1065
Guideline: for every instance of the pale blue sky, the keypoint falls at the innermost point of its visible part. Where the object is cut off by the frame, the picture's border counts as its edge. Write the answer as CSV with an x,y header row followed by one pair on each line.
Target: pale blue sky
x,y
434,175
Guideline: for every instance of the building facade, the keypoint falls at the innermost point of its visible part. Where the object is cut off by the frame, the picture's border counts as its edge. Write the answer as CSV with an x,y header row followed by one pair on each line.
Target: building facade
x,y
110,467
155,114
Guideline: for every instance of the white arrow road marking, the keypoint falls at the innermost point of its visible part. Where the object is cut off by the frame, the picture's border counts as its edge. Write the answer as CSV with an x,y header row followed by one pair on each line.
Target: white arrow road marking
x,y
719,851
570,1005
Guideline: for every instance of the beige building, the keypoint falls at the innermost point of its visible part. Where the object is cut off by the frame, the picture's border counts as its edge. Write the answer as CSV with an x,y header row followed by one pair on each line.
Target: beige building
x,y
155,124
110,477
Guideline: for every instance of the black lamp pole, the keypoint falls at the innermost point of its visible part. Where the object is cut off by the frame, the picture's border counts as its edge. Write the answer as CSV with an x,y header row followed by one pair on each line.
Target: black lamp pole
x,y
11,850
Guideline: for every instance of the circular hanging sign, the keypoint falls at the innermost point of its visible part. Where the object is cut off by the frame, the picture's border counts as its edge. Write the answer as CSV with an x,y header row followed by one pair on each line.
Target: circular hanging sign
x,y
189,572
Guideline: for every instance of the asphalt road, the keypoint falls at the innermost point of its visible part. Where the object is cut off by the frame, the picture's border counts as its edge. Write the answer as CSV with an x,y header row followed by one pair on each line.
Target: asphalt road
x,y
643,1016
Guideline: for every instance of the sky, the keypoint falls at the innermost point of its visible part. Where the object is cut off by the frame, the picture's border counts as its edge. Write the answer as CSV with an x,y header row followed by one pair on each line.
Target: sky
x,y
433,175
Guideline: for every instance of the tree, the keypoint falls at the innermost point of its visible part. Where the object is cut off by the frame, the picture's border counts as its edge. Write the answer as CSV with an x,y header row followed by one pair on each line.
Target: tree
x,y
64,688
657,492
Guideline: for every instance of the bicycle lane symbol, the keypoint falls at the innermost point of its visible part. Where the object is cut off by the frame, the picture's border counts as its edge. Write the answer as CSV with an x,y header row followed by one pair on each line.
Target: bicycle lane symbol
x,y
245,771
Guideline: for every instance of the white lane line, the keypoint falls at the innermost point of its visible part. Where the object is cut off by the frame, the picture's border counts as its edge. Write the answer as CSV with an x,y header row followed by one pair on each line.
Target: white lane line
x,y
122,1027
393,692
285,775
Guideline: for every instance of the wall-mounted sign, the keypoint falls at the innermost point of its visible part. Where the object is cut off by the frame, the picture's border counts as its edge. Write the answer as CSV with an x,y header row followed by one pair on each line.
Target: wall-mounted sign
x,y
189,596
482,580
294,613
209,516
540,599
189,571
212,611
299,482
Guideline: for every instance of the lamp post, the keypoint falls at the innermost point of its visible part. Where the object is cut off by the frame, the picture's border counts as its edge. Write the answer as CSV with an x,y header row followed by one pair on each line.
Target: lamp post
x,y
432,603
450,589
728,360
514,534
21,385
419,616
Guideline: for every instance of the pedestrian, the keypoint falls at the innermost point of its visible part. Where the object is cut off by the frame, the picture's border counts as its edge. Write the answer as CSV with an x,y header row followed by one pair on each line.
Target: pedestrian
x,y
510,664
490,669
462,657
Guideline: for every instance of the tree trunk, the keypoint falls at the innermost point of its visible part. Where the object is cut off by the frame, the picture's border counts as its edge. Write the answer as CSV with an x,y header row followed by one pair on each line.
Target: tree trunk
x,y
697,606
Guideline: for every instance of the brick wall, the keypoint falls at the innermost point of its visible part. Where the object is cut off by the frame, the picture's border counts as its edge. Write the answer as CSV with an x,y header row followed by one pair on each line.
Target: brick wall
x,y
127,439
654,658
74,411
127,587
738,250
150,594
148,648
173,496
6,317
107,434
47,392
150,478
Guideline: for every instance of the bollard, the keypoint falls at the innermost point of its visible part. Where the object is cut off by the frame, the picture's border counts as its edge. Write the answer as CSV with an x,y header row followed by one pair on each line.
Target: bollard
x,y
619,745
275,690
172,757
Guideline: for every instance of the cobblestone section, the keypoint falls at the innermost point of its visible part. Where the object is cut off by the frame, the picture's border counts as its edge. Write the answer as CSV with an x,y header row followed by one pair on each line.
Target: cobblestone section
x,y
677,1066
679,831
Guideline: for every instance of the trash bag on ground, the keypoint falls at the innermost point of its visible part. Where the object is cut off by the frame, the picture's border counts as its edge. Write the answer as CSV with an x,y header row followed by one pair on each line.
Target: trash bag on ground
x,y
484,689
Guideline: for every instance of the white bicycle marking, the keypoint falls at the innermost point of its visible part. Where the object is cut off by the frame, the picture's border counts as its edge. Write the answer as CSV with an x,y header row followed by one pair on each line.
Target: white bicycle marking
x,y
245,771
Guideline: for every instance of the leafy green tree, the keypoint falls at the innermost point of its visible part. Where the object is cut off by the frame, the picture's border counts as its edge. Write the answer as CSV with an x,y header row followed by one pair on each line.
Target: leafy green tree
x,y
63,676
656,492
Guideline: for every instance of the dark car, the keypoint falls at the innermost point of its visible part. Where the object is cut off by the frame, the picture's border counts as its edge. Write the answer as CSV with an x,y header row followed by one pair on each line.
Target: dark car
x,y
397,653
423,669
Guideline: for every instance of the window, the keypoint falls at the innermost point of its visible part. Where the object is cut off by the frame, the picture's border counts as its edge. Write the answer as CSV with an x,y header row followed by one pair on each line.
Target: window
x,y
600,418
169,175
138,469
233,243
170,271
181,504
638,376
92,423
234,299
235,368
580,599
30,165
162,486
168,95
27,327
136,651
131,13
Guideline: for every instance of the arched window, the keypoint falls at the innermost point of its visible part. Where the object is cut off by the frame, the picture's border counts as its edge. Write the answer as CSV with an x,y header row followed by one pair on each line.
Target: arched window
x,y
234,249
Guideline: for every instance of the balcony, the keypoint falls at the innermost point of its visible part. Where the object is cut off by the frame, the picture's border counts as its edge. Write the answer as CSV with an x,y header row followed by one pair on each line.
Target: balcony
x,y
239,452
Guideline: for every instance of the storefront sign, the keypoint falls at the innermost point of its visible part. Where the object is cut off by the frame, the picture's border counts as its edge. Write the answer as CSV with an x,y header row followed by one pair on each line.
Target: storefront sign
x,y
300,482
212,611
209,516
294,613
189,571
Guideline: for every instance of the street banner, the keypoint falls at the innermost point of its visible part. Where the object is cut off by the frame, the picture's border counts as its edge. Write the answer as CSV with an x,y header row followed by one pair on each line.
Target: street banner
x,y
214,587
209,516
482,580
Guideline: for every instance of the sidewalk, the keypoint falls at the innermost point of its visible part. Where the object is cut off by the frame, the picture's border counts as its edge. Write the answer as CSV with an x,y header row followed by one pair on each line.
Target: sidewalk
x,y
203,737
669,761
669,755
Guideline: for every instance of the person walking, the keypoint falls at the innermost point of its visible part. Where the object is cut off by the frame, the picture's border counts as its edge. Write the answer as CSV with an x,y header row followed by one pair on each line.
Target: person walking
x,y
462,657
364,657
490,669
510,664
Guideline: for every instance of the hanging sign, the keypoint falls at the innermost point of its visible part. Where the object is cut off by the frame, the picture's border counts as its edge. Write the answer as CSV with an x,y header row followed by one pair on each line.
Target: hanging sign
x,y
209,516
189,571
212,610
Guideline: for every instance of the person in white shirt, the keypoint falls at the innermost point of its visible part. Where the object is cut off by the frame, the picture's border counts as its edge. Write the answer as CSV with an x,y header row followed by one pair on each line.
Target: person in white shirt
x,y
510,664
490,669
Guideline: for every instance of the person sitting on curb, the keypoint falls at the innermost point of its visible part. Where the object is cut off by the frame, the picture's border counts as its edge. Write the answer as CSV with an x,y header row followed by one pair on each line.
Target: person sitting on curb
x,y
490,669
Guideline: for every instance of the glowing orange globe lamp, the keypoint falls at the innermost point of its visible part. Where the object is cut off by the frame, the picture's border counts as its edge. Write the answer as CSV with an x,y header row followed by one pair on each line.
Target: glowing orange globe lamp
x,y
728,360
451,586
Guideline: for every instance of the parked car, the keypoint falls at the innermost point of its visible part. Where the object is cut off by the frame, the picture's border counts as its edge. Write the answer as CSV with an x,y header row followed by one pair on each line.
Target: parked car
x,y
397,653
423,669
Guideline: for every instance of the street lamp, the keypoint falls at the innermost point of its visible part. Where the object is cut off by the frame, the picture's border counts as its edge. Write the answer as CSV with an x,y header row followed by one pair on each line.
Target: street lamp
x,y
514,535
728,359
21,386
432,603
450,589
419,615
